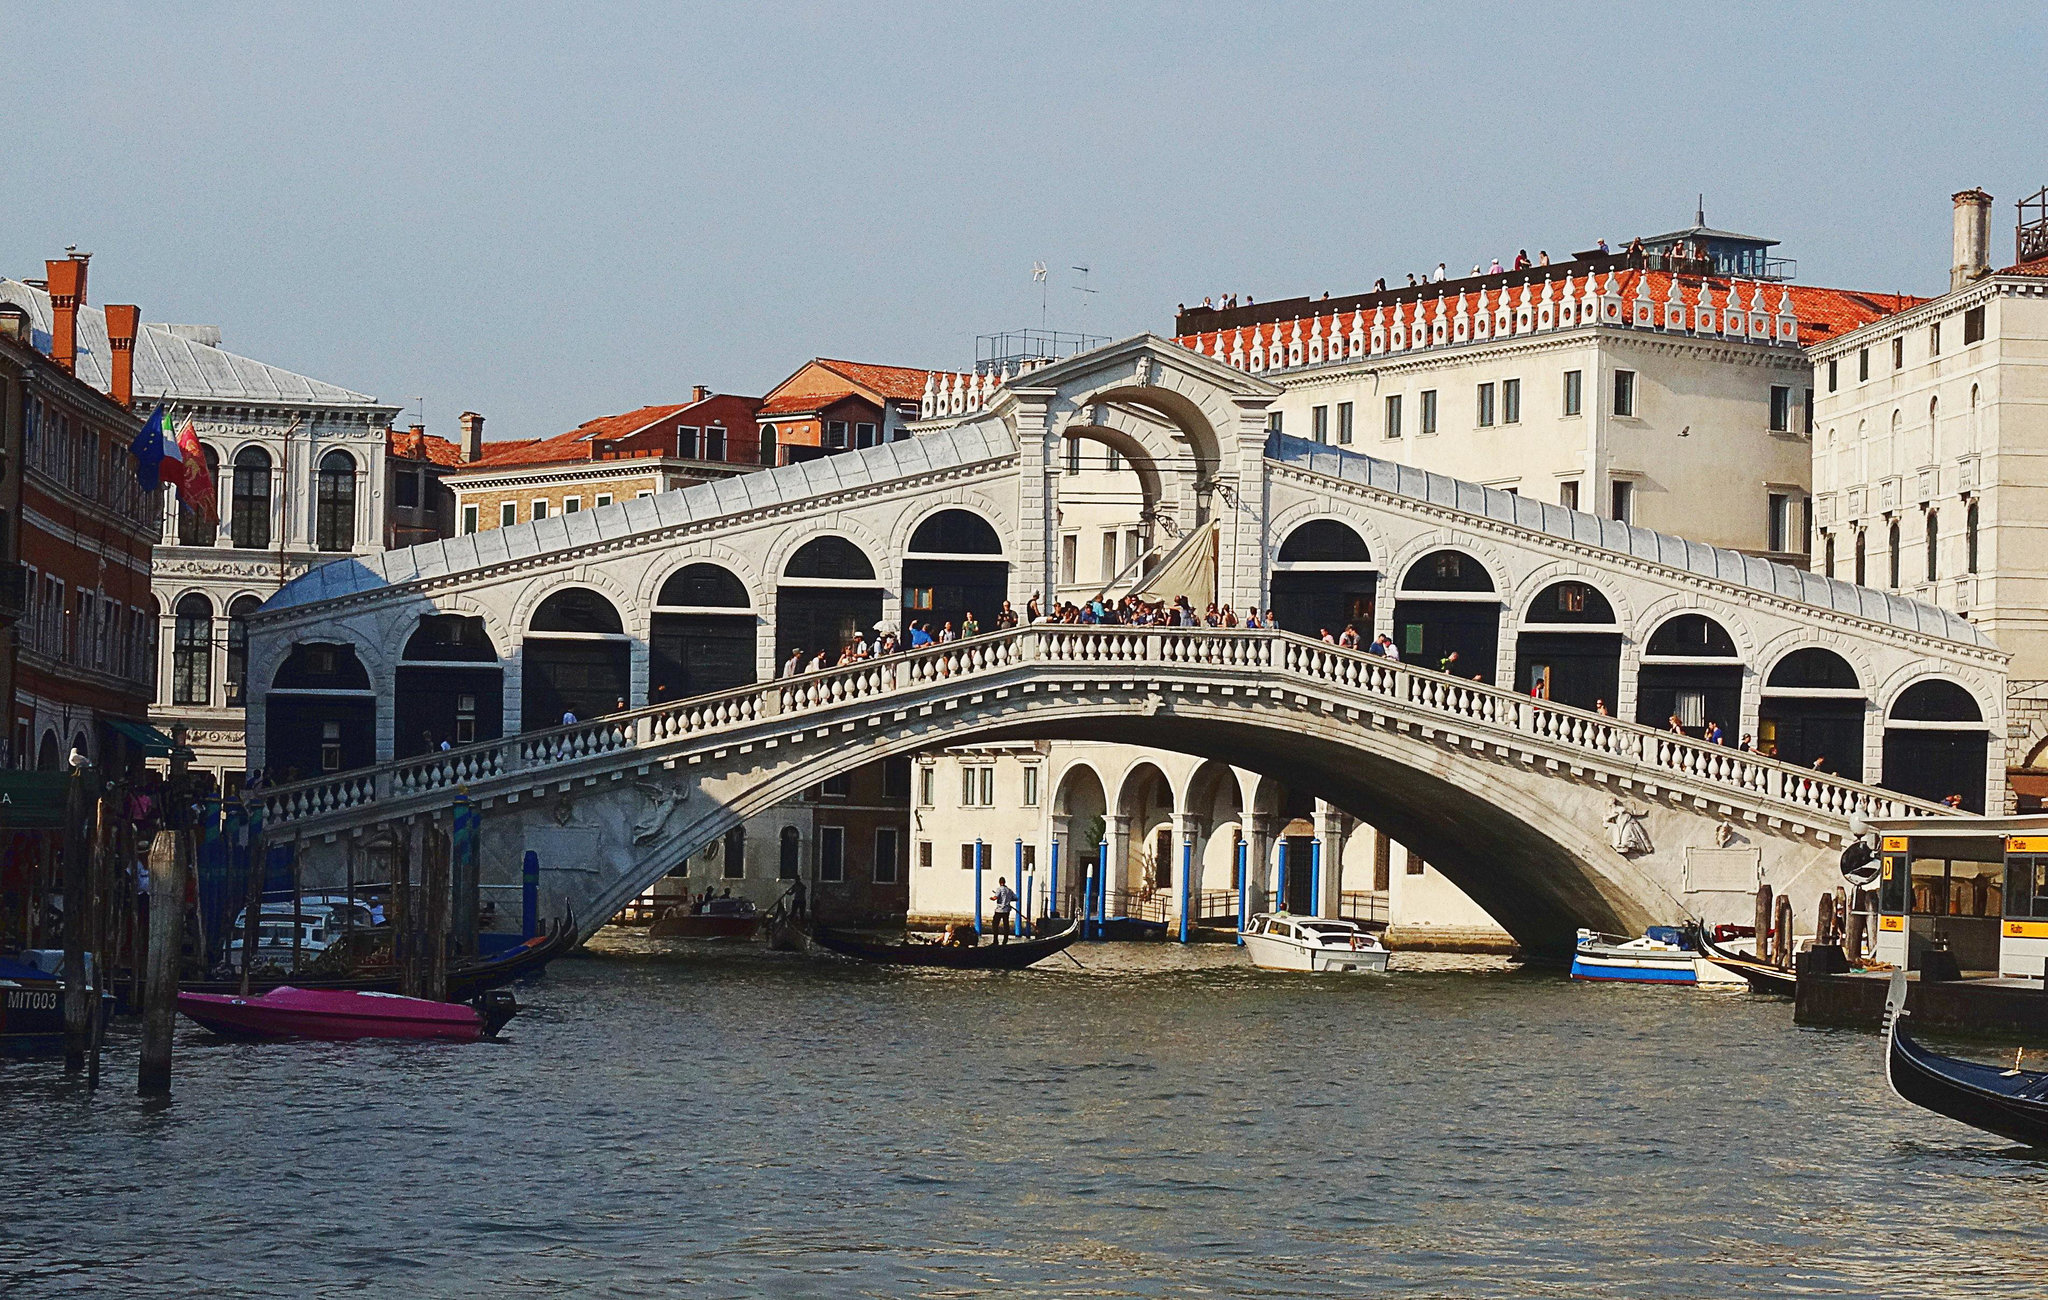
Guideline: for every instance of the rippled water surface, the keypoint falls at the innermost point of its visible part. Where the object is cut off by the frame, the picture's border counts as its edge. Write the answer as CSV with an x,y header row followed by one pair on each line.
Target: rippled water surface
x,y
1166,1122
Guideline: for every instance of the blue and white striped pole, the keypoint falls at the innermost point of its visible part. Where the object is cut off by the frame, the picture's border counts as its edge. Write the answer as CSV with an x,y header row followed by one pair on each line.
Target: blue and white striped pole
x,y
1187,871
1017,917
980,855
1101,886
1244,880
1052,889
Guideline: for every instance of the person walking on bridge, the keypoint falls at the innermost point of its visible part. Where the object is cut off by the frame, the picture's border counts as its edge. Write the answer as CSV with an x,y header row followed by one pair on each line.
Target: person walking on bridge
x,y
1005,900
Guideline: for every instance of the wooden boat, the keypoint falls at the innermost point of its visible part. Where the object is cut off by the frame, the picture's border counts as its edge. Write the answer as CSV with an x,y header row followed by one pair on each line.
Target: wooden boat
x,y
341,1014
1016,954
465,980
722,918
2011,1103
1761,976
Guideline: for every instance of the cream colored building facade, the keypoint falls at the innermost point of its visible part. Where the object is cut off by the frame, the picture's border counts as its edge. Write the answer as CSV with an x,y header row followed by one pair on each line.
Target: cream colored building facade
x,y
1930,458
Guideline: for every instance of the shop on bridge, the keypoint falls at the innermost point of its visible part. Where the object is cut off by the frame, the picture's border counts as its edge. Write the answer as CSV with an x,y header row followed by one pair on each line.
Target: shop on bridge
x,y
577,659
954,568
320,714
450,686
828,598
701,635
1324,578
1690,671
1811,714
1936,744
1447,603
1569,648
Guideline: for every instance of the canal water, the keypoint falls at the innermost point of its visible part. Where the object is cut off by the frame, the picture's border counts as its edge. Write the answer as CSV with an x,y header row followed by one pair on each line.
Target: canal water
x,y
1166,1122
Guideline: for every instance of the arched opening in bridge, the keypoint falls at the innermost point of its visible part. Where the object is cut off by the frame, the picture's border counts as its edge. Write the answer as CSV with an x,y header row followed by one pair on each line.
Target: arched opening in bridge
x,y
701,636
1935,744
1323,578
1216,805
46,753
1109,497
1690,672
1144,808
954,568
1080,819
450,686
1447,604
320,714
828,598
1811,713
1569,648
577,659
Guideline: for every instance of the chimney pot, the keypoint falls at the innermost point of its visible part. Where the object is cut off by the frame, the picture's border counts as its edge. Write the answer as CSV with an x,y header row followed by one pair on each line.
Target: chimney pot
x,y
472,436
122,322
1972,238
698,392
67,295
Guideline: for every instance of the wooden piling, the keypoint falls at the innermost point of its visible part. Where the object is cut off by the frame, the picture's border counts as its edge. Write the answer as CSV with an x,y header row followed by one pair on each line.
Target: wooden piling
x,y
435,929
405,943
166,940
259,855
1761,948
108,881
1824,921
78,922
1782,933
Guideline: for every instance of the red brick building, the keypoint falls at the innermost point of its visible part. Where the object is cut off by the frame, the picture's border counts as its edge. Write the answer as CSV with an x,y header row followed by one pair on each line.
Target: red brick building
x,y
832,406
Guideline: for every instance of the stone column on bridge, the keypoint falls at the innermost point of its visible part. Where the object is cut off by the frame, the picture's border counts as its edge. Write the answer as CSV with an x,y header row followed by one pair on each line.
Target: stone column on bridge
x,y
1332,829
1037,498
638,671
1241,510
1258,852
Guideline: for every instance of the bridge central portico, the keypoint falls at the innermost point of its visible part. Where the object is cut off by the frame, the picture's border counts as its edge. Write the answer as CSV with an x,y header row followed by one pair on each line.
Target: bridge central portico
x,y
1551,788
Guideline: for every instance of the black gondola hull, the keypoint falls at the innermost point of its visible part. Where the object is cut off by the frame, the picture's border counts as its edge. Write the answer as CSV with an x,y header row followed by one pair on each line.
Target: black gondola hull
x,y
464,982
2011,1104
1760,976
1014,955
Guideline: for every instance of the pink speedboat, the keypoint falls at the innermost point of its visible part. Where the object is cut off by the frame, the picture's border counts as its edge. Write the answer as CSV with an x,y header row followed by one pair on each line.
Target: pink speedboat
x,y
287,1012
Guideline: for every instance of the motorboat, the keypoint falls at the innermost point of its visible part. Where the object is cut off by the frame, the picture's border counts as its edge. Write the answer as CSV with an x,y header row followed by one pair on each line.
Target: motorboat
x,y
719,918
1660,956
466,979
953,954
1282,941
32,999
321,923
2011,1103
340,1014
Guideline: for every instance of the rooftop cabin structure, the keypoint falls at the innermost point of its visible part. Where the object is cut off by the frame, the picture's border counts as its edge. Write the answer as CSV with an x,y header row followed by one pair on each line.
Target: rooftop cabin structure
x,y
1720,252
1631,385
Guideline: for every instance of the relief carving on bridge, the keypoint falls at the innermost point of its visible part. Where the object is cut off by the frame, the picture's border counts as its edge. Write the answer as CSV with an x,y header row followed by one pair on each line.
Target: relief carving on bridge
x,y
662,804
1625,829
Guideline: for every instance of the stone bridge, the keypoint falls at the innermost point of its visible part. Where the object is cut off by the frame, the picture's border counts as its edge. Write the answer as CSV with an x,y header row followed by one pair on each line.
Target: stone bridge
x,y
1587,637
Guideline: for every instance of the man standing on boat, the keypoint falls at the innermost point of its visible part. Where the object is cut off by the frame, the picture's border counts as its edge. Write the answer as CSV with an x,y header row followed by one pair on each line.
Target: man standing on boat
x,y
1005,900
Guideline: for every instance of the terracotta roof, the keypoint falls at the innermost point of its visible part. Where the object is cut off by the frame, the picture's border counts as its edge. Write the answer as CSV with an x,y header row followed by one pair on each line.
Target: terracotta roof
x,y
585,440
901,382
822,381
2039,266
423,446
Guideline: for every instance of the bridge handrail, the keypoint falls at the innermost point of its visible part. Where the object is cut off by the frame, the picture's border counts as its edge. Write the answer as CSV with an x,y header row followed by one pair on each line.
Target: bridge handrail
x,y
1111,647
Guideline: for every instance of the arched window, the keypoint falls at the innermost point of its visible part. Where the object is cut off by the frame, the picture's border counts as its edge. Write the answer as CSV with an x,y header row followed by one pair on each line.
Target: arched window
x,y
1324,541
195,529
249,523
830,557
1933,545
1828,549
577,609
1933,429
1861,565
704,586
1691,636
789,863
1569,602
956,532
1935,700
238,648
767,444
1447,571
192,652
1970,537
1812,669
1893,535
334,511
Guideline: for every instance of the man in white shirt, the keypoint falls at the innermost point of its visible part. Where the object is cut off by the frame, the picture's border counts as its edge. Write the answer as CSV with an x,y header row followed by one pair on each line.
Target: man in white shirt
x,y
1441,275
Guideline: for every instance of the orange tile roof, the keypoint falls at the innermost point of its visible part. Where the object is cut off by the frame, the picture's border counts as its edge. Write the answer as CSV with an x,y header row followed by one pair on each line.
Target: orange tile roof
x,y
583,442
2039,266
422,446
901,382
821,381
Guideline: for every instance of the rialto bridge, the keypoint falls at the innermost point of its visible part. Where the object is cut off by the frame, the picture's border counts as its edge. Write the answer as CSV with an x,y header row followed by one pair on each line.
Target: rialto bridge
x,y
1544,776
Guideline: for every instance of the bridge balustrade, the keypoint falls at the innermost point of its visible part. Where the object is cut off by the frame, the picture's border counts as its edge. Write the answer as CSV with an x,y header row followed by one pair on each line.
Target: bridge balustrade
x,y
1258,653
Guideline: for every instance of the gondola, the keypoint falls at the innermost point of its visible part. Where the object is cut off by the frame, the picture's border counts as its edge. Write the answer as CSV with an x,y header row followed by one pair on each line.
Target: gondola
x,y
465,981
1013,955
2011,1103
1761,976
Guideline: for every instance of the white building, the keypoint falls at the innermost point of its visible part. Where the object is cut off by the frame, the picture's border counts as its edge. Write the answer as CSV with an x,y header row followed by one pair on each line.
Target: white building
x,y
300,470
1931,425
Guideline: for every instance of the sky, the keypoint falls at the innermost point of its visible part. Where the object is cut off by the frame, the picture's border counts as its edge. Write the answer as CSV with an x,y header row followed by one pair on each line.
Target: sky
x,y
547,214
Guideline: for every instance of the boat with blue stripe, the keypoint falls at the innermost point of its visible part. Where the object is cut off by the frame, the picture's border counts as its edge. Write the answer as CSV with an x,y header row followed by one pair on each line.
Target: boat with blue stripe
x,y
1661,956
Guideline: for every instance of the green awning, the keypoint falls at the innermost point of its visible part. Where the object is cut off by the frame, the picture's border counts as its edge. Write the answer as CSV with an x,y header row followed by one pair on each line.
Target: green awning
x,y
32,800
152,742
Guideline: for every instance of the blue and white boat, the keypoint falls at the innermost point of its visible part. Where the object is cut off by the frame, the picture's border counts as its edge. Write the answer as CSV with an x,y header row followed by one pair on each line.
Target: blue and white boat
x,y
1659,957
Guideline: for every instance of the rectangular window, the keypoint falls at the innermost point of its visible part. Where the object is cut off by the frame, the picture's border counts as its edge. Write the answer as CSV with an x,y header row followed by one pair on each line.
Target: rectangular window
x,y
686,441
643,492
1862,365
1568,494
837,787
918,597
572,505
985,784
508,514
603,499
1779,508
1276,422
1134,546
1899,352
835,435
1416,866
1030,785
1973,326
1781,411
1319,423
1510,401
967,857
540,508
1624,499
1070,558
925,786
966,787
1394,416
832,853
1834,373
1343,423
885,855
468,519
465,719
1624,392
1485,406
924,854
1806,410
1574,391
1073,455
863,435
714,442
1691,707
1428,412
1109,537
408,488
1934,339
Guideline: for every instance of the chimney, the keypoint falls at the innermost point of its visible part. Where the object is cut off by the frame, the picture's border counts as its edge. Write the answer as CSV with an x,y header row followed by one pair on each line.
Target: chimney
x,y
121,325
67,295
1972,238
698,393
472,436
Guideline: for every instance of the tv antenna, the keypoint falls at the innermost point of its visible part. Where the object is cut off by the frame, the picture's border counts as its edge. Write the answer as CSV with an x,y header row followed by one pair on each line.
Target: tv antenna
x,y
1038,274
1083,288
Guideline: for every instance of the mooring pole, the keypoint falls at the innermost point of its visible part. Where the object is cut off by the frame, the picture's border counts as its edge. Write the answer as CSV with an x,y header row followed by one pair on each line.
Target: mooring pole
x,y
1052,884
529,895
1315,876
1763,924
1244,878
1101,886
107,876
439,849
980,852
1187,869
166,937
77,921
1280,881
1017,916
259,865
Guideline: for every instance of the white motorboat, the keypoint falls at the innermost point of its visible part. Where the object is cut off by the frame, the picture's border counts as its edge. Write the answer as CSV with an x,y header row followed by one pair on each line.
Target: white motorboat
x,y
1281,941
